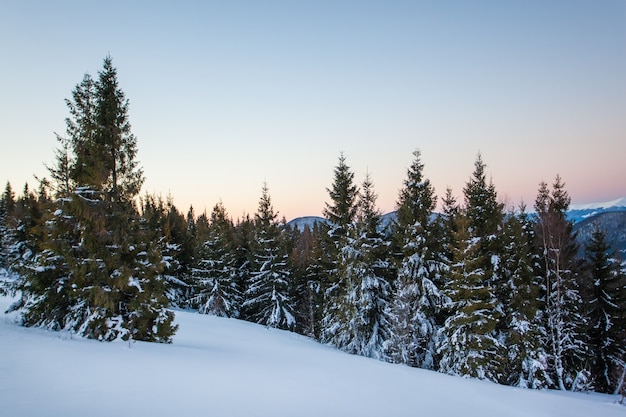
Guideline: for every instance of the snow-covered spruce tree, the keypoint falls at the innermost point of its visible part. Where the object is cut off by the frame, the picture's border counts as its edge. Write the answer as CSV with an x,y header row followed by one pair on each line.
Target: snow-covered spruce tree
x,y
474,329
605,303
267,297
467,342
527,364
216,289
559,268
96,271
417,299
360,324
341,213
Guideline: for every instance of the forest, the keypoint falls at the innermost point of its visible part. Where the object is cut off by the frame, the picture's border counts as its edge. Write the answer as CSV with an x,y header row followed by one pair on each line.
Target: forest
x,y
476,290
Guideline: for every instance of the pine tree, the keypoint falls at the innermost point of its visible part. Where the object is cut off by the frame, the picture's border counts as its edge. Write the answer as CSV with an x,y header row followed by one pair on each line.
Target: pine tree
x,y
116,164
475,285
606,311
215,276
483,211
95,270
557,250
358,322
417,298
341,213
468,342
527,364
267,297
81,128
342,210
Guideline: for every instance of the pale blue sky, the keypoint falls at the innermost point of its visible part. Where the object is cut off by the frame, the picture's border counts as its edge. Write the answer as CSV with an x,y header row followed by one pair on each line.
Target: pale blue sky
x,y
226,95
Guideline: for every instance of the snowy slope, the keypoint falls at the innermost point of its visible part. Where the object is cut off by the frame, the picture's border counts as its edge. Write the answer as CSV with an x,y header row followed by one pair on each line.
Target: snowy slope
x,y
620,202
580,212
225,367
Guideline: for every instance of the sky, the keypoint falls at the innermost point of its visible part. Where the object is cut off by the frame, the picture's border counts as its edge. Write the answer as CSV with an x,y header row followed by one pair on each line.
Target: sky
x,y
225,96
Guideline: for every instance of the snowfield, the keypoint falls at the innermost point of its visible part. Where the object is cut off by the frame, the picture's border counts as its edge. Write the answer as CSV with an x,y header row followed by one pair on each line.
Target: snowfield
x,y
226,367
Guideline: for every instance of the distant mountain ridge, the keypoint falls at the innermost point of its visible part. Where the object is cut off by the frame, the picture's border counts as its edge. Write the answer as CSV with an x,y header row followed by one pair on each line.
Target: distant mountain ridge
x,y
576,213
301,223
580,212
608,216
613,223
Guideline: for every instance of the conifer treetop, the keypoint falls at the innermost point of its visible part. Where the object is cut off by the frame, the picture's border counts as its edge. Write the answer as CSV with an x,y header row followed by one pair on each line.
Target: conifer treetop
x,y
343,209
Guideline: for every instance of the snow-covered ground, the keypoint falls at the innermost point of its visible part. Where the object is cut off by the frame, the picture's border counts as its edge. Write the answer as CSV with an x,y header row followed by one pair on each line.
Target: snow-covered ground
x,y
225,367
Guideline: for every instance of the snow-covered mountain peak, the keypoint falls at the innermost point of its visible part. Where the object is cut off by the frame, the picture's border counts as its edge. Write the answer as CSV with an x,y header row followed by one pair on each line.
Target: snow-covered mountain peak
x,y
620,202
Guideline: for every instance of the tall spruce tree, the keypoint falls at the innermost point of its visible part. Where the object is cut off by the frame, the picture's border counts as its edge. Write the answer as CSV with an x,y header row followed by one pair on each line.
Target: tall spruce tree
x,y
116,166
556,247
606,310
267,297
341,211
417,299
357,321
527,361
468,342
474,285
96,271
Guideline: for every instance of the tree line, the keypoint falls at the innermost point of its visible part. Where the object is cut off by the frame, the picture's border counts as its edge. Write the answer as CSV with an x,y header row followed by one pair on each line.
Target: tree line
x,y
478,290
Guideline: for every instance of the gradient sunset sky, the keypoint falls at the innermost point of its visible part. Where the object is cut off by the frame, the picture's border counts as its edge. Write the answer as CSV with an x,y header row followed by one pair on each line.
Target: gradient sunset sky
x,y
226,95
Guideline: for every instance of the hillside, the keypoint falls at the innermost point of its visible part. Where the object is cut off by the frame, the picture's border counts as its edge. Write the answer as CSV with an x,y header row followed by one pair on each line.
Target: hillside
x,y
225,367
581,212
613,223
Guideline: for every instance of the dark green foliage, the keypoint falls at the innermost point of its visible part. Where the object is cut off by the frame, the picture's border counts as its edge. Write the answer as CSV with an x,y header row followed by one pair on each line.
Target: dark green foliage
x,y
468,340
475,285
94,266
605,303
342,209
115,165
483,211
